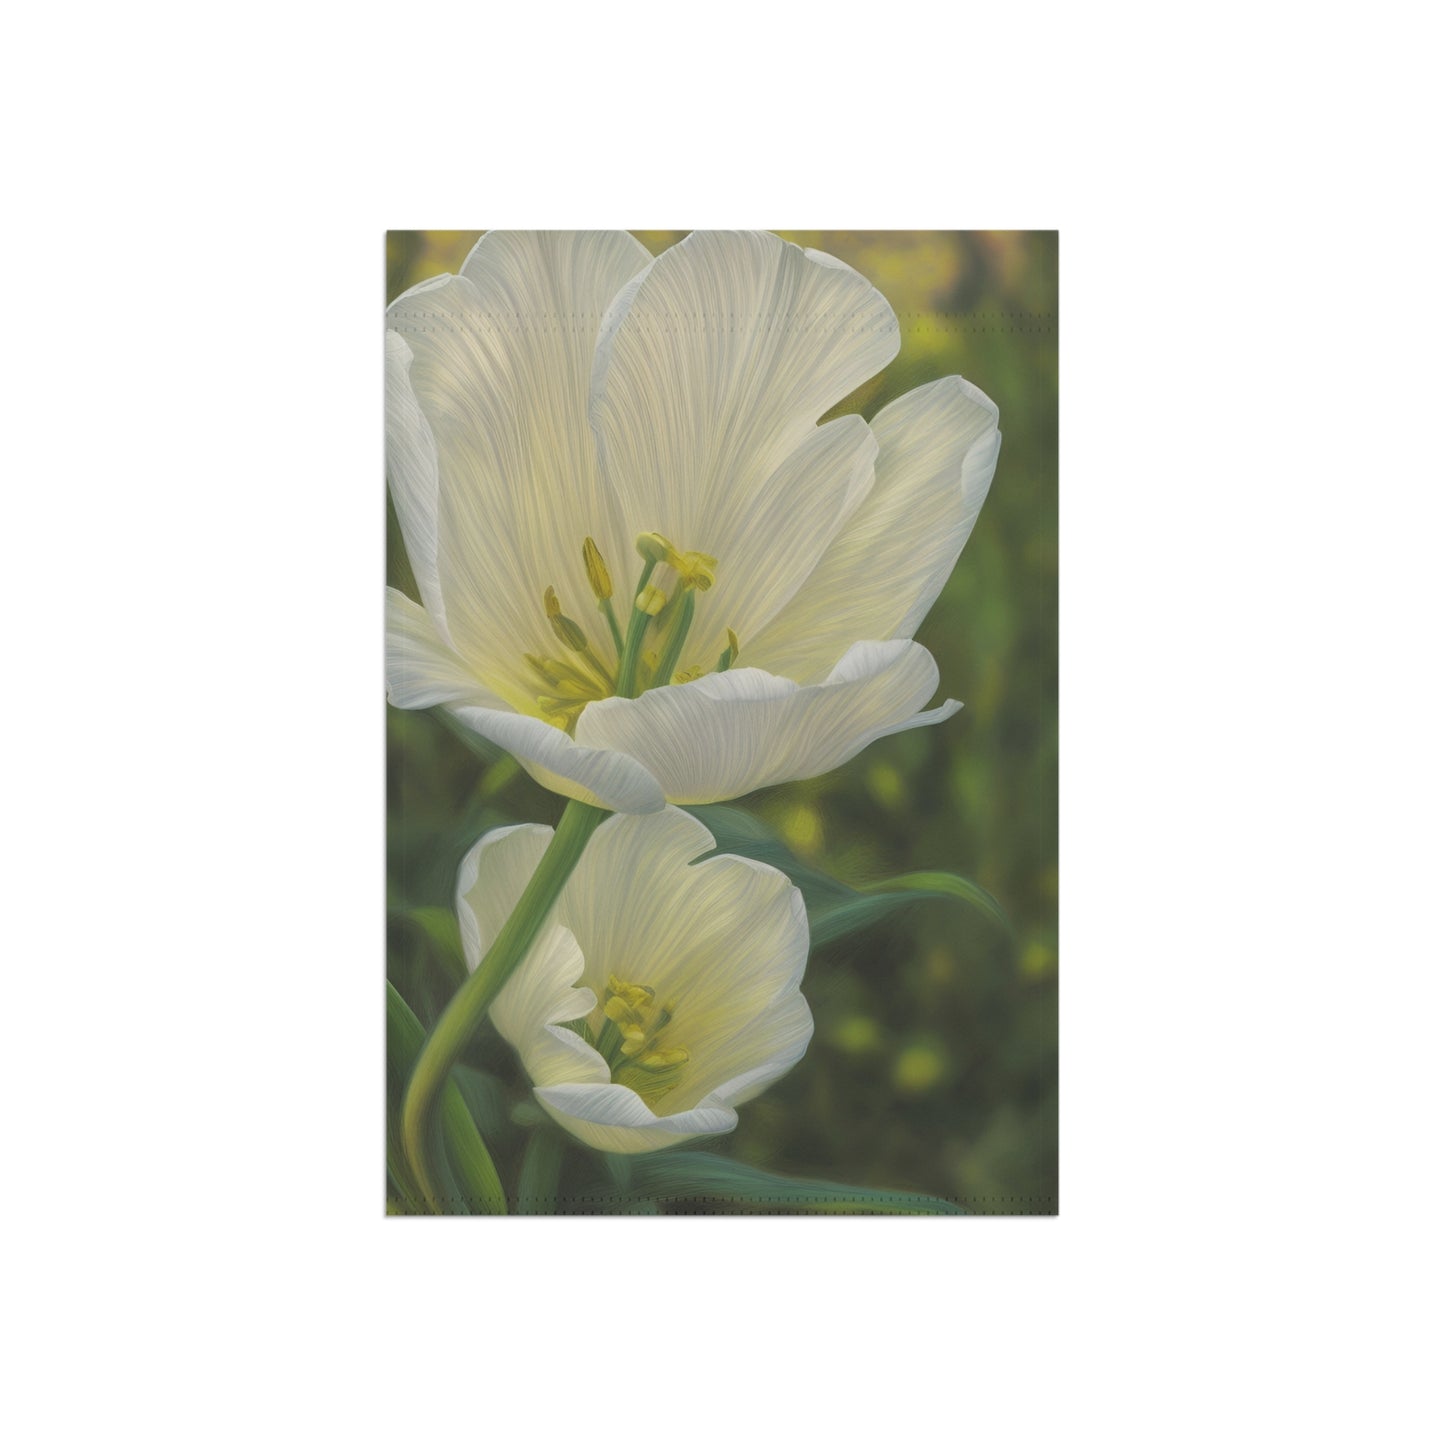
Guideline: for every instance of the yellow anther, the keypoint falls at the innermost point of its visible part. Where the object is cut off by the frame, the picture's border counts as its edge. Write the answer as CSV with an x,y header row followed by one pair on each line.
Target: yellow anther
x,y
651,600
729,654
694,569
567,632
689,674
654,547
664,1058
631,1041
598,577
559,713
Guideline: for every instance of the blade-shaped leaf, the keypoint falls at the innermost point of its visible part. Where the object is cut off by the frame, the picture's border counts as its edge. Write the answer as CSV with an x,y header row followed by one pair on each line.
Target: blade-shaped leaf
x,y
438,926
486,1099
728,1186
834,909
476,1186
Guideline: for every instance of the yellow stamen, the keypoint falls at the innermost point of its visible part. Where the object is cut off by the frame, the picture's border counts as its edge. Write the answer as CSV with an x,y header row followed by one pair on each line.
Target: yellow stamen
x,y
598,577
568,633
559,712
651,600
632,1040
664,1058
654,547
694,569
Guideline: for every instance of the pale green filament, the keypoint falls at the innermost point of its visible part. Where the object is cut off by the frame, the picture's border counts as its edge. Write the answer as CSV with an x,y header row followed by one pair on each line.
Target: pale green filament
x,y
632,1041
581,678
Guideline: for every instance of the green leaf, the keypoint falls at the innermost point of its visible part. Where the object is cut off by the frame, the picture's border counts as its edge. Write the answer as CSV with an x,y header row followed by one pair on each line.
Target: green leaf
x,y
475,1185
486,1099
541,1172
728,1186
473,741
872,903
834,909
438,926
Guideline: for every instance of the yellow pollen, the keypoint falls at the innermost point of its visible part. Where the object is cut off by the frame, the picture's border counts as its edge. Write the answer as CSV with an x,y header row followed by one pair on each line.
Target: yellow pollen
x,y
651,600
632,1042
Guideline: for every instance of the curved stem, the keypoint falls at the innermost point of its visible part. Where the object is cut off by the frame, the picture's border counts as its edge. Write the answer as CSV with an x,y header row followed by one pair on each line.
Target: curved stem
x,y
469,1005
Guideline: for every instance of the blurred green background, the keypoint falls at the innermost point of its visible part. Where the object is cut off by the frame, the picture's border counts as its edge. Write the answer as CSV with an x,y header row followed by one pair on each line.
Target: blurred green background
x,y
935,1062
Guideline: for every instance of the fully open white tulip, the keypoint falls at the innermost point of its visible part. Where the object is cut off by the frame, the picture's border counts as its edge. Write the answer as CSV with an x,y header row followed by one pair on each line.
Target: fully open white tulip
x,y
660,995
567,401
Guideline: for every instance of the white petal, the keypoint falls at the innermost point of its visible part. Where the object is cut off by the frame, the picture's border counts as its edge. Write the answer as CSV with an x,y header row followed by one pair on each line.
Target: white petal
x,y
733,732
712,369
726,936
502,357
541,995
612,1117
421,672
493,874
541,992
421,669
411,468
766,1053
768,547
600,776
938,447
544,990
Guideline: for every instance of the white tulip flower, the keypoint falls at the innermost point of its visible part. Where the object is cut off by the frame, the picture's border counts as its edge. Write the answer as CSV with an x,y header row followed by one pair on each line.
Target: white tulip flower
x,y
567,402
660,994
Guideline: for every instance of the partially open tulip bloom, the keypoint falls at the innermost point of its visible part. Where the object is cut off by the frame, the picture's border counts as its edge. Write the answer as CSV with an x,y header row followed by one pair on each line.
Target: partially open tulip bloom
x,y
644,569
659,996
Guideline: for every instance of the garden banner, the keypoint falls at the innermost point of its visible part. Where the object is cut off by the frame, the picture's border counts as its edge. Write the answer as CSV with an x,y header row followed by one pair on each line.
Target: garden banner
x,y
721,672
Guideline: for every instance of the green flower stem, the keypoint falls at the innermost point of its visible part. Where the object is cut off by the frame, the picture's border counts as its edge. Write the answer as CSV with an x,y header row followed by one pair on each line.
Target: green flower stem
x,y
474,1175
632,648
607,611
676,637
541,1172
469,1005
502,772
